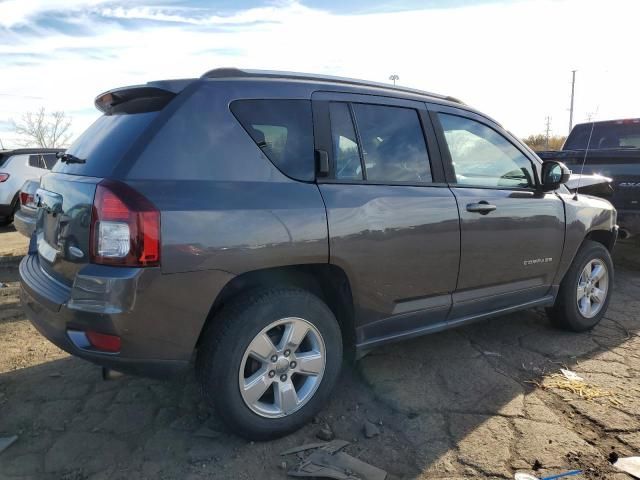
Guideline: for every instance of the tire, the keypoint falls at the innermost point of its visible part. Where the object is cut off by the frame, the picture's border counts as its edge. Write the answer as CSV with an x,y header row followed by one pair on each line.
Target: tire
x,y
570,313
4,221
224,365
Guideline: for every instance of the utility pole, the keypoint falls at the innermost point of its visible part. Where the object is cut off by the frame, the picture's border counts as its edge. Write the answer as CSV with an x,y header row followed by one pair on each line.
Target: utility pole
x,y
393,78
548,130
573,90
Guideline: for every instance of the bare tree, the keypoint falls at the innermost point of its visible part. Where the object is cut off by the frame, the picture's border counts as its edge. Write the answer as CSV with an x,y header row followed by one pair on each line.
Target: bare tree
x,y
44,130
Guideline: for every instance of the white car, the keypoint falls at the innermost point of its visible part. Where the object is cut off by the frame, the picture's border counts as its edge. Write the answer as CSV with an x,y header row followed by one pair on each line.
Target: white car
x,y
16,167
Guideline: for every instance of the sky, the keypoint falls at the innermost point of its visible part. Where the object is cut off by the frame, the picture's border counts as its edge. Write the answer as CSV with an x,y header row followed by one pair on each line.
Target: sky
x,y
511,59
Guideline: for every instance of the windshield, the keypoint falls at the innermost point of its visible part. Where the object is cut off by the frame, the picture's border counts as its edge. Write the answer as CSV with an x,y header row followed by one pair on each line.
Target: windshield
x,y
620,134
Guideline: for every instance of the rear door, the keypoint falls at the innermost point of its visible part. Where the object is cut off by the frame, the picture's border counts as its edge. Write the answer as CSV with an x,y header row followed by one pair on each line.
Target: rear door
x,y
512,234
393,223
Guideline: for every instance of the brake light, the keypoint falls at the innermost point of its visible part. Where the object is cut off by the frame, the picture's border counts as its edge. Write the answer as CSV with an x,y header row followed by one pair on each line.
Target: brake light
x,y
27,199
125,227
4,177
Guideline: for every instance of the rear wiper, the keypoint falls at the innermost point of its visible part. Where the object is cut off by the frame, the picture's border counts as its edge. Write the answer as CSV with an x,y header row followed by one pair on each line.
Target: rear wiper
x,y
68,158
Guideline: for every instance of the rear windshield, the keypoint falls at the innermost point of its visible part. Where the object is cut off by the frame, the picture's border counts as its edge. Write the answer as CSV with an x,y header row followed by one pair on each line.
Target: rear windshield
x,y
623,134
104,144
283,129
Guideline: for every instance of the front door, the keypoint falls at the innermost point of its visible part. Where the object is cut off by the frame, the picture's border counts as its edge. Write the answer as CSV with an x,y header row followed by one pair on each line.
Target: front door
x,y
512,234
393,223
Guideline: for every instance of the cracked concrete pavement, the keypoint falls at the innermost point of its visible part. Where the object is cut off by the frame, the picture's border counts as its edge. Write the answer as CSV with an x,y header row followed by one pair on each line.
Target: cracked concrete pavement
x,y
459,404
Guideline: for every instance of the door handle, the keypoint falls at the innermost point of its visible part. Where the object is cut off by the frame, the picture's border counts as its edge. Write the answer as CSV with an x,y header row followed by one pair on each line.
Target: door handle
x,y
483,207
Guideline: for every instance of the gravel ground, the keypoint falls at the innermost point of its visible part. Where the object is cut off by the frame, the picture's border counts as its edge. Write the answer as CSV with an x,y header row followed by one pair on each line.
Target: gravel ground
x,y
460,404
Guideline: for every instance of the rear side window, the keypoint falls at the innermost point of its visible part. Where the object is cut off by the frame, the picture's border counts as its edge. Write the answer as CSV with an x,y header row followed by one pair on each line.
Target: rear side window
x,y
283,130
104,144
36,161
393,144
49,160
386,145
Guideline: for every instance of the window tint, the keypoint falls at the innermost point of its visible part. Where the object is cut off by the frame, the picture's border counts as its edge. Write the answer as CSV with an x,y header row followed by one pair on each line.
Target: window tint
x,y
35,161
393,144
345,145
482,157
105,143
283,129
49,160
615,134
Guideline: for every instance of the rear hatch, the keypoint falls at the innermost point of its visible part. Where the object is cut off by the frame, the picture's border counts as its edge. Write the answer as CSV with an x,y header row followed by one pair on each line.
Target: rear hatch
x,y
66,196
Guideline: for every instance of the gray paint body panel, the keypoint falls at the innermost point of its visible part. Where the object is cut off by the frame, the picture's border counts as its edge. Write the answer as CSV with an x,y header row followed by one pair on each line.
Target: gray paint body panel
x,y
227,210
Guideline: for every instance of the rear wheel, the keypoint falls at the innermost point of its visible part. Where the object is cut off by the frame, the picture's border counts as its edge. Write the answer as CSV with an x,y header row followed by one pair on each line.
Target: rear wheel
x,y
585,290
8,219
269,361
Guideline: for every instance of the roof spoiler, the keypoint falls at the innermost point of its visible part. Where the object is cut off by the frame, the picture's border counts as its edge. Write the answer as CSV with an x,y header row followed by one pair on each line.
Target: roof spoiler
x,y
137,98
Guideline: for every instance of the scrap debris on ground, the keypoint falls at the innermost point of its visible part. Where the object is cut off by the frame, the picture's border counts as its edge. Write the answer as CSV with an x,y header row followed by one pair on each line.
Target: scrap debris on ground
x,y
630,465
327,460
572,382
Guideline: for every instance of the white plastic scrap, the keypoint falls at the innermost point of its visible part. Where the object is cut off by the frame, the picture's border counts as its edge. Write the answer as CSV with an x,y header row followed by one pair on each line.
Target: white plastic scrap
x,y
630,465
571,376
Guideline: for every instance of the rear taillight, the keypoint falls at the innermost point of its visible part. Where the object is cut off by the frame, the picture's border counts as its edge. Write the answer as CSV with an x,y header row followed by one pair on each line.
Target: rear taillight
x,y
27,199
4,177
125,227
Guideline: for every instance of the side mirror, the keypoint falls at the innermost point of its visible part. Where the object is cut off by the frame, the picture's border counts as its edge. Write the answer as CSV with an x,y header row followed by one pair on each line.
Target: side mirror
x,y
554,174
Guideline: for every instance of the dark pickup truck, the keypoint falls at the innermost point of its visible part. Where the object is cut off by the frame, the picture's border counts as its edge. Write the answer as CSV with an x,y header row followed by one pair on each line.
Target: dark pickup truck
x,y
613,151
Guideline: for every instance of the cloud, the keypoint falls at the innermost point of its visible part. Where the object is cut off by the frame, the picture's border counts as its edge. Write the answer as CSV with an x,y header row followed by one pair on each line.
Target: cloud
x,y
509,59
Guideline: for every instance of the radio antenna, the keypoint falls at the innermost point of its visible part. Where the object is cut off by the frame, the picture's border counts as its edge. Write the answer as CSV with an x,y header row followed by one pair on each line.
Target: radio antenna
x,y
586,152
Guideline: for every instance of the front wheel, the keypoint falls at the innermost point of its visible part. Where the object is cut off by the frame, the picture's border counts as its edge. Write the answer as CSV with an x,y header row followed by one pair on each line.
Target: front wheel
x,y
585,291
269,361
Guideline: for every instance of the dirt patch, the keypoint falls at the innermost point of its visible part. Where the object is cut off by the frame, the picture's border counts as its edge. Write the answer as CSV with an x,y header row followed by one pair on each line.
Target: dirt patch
x,y
453,405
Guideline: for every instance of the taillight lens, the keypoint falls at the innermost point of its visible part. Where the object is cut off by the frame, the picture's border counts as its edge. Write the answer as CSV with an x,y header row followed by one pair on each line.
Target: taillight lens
x,y
4,177
125,227
27,199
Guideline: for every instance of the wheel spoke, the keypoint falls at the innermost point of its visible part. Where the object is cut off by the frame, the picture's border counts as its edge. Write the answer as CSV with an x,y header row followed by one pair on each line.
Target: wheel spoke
x,y
598,295
262,348
286,397
581,291
256,385
585,305
293,336
310,363
597,272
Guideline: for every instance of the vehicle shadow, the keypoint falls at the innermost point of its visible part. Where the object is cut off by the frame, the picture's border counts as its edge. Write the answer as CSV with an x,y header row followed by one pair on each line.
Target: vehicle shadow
x,y
458,404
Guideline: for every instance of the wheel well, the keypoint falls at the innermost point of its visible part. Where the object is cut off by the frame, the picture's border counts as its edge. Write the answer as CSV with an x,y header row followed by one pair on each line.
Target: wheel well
x,y
605,237
328,282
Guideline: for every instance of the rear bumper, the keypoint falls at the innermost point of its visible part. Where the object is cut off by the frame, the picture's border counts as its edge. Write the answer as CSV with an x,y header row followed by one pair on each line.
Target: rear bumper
x,y
24,223
156,341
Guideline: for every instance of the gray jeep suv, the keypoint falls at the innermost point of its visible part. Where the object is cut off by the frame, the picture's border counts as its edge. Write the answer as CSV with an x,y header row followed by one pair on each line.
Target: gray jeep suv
x,y
261,224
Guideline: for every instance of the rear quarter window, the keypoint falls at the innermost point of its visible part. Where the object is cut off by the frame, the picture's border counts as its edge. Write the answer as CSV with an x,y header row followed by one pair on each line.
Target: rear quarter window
x,y
283,130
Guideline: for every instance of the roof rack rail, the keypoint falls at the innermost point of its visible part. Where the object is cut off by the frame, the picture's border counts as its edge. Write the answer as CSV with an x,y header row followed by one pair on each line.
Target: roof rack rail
x,y
250,73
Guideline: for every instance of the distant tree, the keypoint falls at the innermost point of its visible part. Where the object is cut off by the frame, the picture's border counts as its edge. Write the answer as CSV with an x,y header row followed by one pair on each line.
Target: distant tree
x,y
539,142
39,129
